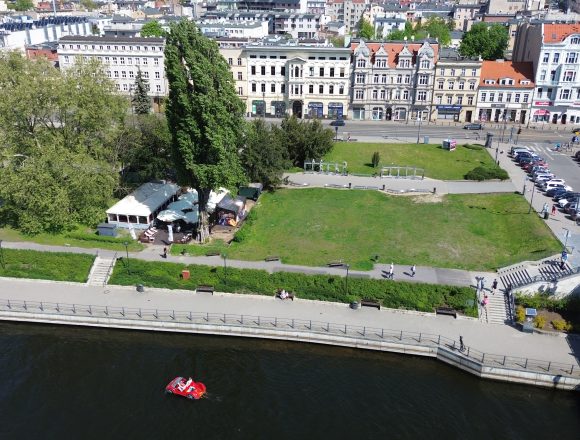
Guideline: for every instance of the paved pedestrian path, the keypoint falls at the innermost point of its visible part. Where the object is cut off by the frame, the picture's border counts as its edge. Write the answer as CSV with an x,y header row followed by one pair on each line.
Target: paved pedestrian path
x,y
502,340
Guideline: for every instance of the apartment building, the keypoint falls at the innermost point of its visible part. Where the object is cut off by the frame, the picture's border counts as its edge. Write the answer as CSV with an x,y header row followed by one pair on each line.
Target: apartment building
x,y
505,91
121,58
288,78
347,11
392,80
238,65
554,51
455,87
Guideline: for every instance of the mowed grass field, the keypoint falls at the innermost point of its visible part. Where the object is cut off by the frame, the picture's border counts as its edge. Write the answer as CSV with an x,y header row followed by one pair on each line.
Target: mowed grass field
x,y
315,226
437,162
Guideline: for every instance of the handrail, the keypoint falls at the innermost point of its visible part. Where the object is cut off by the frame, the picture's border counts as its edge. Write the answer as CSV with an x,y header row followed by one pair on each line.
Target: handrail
x,y
292,325
110,269
544,277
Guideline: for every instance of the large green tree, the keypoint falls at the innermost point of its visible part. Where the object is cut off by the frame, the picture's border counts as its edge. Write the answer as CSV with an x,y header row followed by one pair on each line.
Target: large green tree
x,y
152,29
204,114
265,155
365,29
489,42
305,140
23,5
140,99
58,153
434,27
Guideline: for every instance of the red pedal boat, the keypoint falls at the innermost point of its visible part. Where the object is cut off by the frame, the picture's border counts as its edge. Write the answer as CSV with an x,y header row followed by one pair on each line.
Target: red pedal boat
x,y
186,388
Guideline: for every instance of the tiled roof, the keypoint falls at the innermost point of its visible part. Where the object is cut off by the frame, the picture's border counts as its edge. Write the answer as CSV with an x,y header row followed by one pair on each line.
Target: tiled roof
x,y
555,33
497,70
393,48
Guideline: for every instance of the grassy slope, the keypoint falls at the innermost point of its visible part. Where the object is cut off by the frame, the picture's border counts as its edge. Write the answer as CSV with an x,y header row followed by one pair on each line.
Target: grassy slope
x,y
314,226
438,163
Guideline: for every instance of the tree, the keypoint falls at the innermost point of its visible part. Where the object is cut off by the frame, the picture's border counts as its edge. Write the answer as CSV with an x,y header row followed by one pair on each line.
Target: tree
x,y
365,29
58,158
152,29
305,140
204,114
337,41
489,42
375,160
265,155
140,99
438,28
89,5
23,5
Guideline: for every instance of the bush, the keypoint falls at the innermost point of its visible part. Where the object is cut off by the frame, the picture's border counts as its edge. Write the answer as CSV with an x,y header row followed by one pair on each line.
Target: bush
x,y
543,301
484,173
84,236
540,321
561,325
473,147
376,159
520,314
401,295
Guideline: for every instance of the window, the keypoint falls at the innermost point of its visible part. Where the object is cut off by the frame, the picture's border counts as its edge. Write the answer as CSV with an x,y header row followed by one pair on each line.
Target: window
x,y
452,72
383,94
272,70
361,63
107,60
359,94
508,97
263,87
129,60
449,99
253,70
463,72
425,64
526,97
407,79
114,60
405,63
483,96
230,61
253,87
321,71
240,91
460,100
116,74
375,94
491,97
470,100
442,72
360,78
131,74
158,88
341,90
556,58
125,87
399,79
283,70
565,94
398,94
311,71
422,96
546,58
439,99
473,72
240,76
144,61
273,88
552,75
572,58
239,61
376,78
146,75
342,72
423,79
311,89
405,94
263,70
461,85
332,72
451,85
331,90
283,88
543,75
384,78
440,85
569,76
471,85
540,91
500,97
380,63
109,73
575,40
157,75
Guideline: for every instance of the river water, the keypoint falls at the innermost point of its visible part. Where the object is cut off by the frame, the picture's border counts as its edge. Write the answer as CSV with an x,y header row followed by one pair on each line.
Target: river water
x,y
83,383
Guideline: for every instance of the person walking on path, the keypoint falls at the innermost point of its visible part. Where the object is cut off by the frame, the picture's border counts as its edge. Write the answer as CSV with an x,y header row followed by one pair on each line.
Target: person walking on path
x,y
461,346
164,253
413,270
494,286
553,209
392,271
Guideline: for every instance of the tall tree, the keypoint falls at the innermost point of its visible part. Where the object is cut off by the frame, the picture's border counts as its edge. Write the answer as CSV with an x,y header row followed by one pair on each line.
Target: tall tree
x,y
23,5
365,29
140,99
152,29
265,155
488,42
438,28
305,140
204,114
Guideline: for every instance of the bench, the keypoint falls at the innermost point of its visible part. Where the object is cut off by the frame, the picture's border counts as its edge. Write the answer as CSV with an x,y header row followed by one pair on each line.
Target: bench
x,y
272,258
212,253
446,311
337,263
370,303
206,289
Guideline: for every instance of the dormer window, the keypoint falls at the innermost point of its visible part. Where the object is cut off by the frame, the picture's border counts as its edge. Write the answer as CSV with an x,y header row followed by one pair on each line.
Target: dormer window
x,y
425,64
506,82
489,81
524,82
381,63
404,63
575,40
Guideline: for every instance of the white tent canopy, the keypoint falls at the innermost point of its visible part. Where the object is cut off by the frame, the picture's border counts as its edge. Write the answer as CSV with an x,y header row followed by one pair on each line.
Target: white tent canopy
x,y
191,196
192,217
170,215
214,198
180,205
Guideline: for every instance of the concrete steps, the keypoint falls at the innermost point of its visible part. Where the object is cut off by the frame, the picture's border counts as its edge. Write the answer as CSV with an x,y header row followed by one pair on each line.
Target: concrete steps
x,y
516,275
101,271
497,310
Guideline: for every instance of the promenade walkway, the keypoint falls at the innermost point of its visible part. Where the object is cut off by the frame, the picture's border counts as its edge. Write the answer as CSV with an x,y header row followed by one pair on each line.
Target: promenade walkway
x,y
502,340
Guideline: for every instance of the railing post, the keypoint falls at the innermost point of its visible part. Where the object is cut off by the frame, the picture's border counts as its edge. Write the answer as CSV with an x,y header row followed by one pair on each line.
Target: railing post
x,y
572,369
139,313
345,330
224,318
468,348
401,336
503,361
310,328
292,322
327,327
189,317
41,307
172,316
439,340
107,310
155,314
549,365
526,366
259,321
364,331
242,321
483,358
90,310
74,310
382,333
25,306
9,306
122,311
419,337
57,308
276,322
206,316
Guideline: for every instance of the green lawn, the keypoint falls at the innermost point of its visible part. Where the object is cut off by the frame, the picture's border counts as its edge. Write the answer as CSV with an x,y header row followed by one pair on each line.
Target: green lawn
x,y
45,265
199,249
82,237
438,163
315,226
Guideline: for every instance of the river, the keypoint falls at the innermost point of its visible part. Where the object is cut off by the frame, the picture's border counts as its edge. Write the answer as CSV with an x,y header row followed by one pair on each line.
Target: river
x,y
85,383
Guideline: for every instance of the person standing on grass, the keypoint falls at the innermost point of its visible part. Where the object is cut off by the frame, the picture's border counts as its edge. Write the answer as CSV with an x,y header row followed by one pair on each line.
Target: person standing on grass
x,y
392,271
413,270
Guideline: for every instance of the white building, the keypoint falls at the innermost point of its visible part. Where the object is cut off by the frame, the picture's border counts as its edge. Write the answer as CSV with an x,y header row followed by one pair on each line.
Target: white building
x,y
299,26
554,51
122,58
385,25
307,81
233,29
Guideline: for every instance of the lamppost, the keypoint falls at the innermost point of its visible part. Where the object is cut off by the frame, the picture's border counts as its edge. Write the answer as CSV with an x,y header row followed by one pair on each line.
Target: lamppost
x,y
336,134
532,198
420,109
347,267
2,255
566,235
225,257
127,252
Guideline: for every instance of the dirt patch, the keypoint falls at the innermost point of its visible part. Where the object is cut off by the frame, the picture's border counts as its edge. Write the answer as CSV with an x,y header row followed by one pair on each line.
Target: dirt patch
x,y
428,198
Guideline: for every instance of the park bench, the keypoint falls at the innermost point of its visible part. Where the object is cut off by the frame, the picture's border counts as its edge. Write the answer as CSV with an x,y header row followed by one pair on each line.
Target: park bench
x,y
370,303
446,311
336,263
212,253
272,258
206,289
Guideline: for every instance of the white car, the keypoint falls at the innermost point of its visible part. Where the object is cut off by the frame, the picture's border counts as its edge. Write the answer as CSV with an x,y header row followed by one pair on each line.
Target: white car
x,y
554,181
541,177
548,185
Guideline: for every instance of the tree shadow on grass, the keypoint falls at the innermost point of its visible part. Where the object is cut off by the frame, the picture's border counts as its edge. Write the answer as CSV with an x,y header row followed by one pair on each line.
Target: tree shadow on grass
x,y
483,208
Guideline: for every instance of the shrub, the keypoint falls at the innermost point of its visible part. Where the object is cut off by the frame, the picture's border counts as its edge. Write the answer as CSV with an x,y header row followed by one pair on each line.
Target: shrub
x,y
376,159
83,236
472,147
520,314
543,301
484,173
561,325
539,321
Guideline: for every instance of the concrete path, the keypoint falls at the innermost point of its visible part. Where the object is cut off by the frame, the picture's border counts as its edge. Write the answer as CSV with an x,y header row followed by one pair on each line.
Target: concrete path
x,y
502,340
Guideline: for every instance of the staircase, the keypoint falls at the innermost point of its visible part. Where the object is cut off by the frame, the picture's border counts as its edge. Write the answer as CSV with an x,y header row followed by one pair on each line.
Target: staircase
x,y
516,275
101,270
497,310
531,272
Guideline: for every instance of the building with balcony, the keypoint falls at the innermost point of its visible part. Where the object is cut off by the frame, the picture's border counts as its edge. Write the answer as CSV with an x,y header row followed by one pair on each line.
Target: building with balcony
x,y
455,87
287,78
392,80
505,92
554,51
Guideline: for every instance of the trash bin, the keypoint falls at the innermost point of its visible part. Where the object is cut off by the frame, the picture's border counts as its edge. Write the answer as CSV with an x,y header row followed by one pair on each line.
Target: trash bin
x,y
546,215
425,139
140,288
185,274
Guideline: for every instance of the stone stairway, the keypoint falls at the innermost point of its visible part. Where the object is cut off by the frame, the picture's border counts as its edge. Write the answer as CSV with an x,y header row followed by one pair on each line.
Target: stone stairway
x,y
497,310
516,275
550,269
529,272
101,270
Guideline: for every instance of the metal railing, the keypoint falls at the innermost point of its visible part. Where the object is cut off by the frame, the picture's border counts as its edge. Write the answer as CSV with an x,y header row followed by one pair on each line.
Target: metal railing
x,y
310,327
542,277
110,269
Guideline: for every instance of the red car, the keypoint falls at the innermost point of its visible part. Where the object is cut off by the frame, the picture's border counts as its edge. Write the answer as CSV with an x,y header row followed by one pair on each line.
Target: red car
x,y
186,388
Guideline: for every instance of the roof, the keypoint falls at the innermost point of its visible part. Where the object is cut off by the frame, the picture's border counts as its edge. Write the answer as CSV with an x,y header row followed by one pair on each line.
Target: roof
x,y
500,69
394,48
112,39
555,33
144,200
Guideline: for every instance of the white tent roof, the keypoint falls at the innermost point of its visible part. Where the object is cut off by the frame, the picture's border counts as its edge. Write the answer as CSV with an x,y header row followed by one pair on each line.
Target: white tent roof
x,y
144,200
192,217
215,197
170,215
180,205
190,196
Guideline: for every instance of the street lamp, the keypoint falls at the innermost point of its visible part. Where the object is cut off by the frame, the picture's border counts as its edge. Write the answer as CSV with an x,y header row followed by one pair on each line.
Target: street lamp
x,y
225,257
567,235
532,198
419,109
127,252
347,267
336,134
2,255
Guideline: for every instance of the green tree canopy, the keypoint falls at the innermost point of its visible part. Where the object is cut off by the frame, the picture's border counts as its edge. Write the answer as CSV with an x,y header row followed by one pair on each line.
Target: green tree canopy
x,y
23,5
89,5
152,29
435,27
365,29
489,42
140,99
305,139
204,114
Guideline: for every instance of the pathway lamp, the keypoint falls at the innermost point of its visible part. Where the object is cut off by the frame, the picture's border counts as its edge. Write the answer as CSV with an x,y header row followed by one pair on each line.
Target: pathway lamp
x,y
2,256
127,253
336,134
566,235
347,267
532,198
225,257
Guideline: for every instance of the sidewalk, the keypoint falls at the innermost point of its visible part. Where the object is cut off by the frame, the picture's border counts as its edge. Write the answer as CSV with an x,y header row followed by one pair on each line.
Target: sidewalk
x,y
502,340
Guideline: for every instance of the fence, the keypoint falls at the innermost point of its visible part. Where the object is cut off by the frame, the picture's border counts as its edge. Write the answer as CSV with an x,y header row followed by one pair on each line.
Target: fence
x,y
308,327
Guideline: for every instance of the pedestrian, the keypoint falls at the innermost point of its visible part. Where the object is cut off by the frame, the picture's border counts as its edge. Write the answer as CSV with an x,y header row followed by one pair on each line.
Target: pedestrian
x,y
553,209
461,346
545,208
392,271
494,286
164,252
413,270
562,265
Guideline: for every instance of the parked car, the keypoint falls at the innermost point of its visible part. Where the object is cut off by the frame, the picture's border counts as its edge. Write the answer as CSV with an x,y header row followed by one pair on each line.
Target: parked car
x,y
553,192
537,163
566,195
539,168
571,207
576,130
577,155
473,126
549,185
338,123
514,150
540,177
524,155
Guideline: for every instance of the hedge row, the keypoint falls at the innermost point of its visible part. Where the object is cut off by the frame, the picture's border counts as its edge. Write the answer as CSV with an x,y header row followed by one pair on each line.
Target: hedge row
x,y
84,236
398,295
484,173
570,304
45,265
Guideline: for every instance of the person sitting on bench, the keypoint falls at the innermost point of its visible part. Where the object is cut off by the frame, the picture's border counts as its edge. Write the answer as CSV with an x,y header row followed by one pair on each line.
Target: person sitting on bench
x,y
283,294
